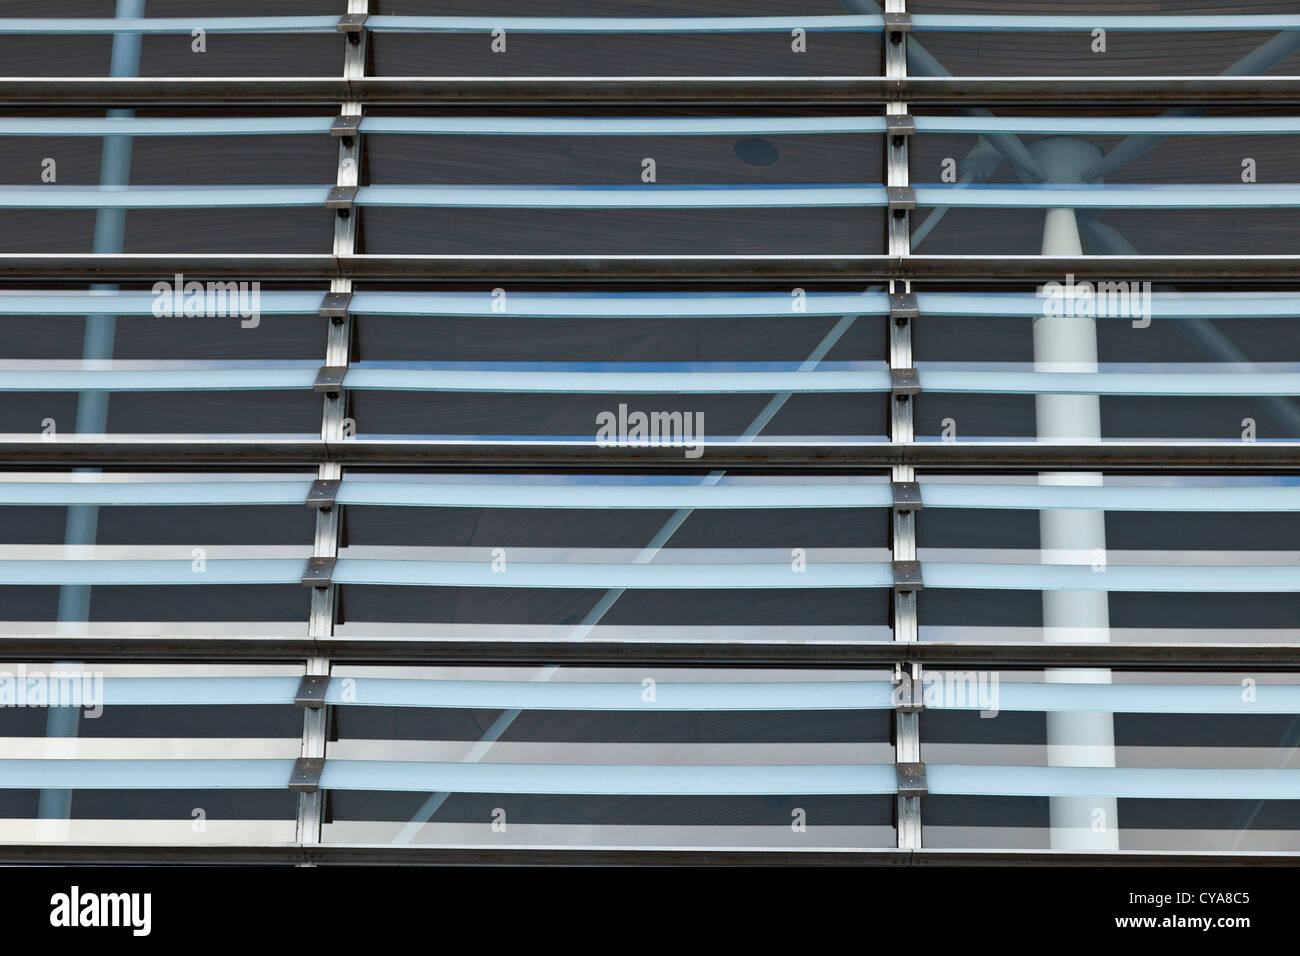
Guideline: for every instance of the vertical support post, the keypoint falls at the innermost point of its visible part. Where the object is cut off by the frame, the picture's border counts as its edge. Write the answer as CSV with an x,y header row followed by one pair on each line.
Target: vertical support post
x,y
907,726
311,805
1069,343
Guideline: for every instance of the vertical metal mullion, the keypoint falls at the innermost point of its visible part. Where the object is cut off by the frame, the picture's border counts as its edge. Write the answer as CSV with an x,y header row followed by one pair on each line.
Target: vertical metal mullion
x,y
333,414
907,729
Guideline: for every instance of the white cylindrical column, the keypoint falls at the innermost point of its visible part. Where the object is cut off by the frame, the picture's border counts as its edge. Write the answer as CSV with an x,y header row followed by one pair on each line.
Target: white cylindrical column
x,y
1068,343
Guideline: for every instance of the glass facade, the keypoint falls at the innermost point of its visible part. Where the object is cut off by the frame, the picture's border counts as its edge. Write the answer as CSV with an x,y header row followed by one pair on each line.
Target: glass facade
x,y
757,428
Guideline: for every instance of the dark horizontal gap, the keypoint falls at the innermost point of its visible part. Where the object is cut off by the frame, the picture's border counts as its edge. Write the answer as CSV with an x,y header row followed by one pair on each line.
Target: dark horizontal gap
x,y
575,810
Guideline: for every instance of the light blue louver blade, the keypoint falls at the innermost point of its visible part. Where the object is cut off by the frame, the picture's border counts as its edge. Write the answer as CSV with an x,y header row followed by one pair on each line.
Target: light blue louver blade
x,y
169,126
445,197
614,383
156,380
1208,305
237,377
622,696
852,23
1160,23
390,23
1109,383
128,493
1120,578
664,305
469,574
817,695
644,196
144,572
526,695
1227,498
972,694
582,494
1127,578
144,303
1110,125
152,25
1113,698
86,774
622,304
616,125
1105,196
657,780
1122,782
161,197
358,491
520,304
570,381
197,691
667,780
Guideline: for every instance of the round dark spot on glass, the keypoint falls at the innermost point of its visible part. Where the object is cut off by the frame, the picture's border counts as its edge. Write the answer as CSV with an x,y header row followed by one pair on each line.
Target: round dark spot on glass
x,y
756,151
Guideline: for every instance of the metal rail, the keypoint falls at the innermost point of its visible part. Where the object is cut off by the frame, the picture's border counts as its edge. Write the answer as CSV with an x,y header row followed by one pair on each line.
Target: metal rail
x,y
373,854
543,455
728,270
638,653
624,91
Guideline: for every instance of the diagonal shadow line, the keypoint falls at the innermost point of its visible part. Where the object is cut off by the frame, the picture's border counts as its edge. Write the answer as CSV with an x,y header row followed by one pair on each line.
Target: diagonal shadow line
x,y
1246,816
1202,332
1014,152
610,598
1205,334
1008,147
978,166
